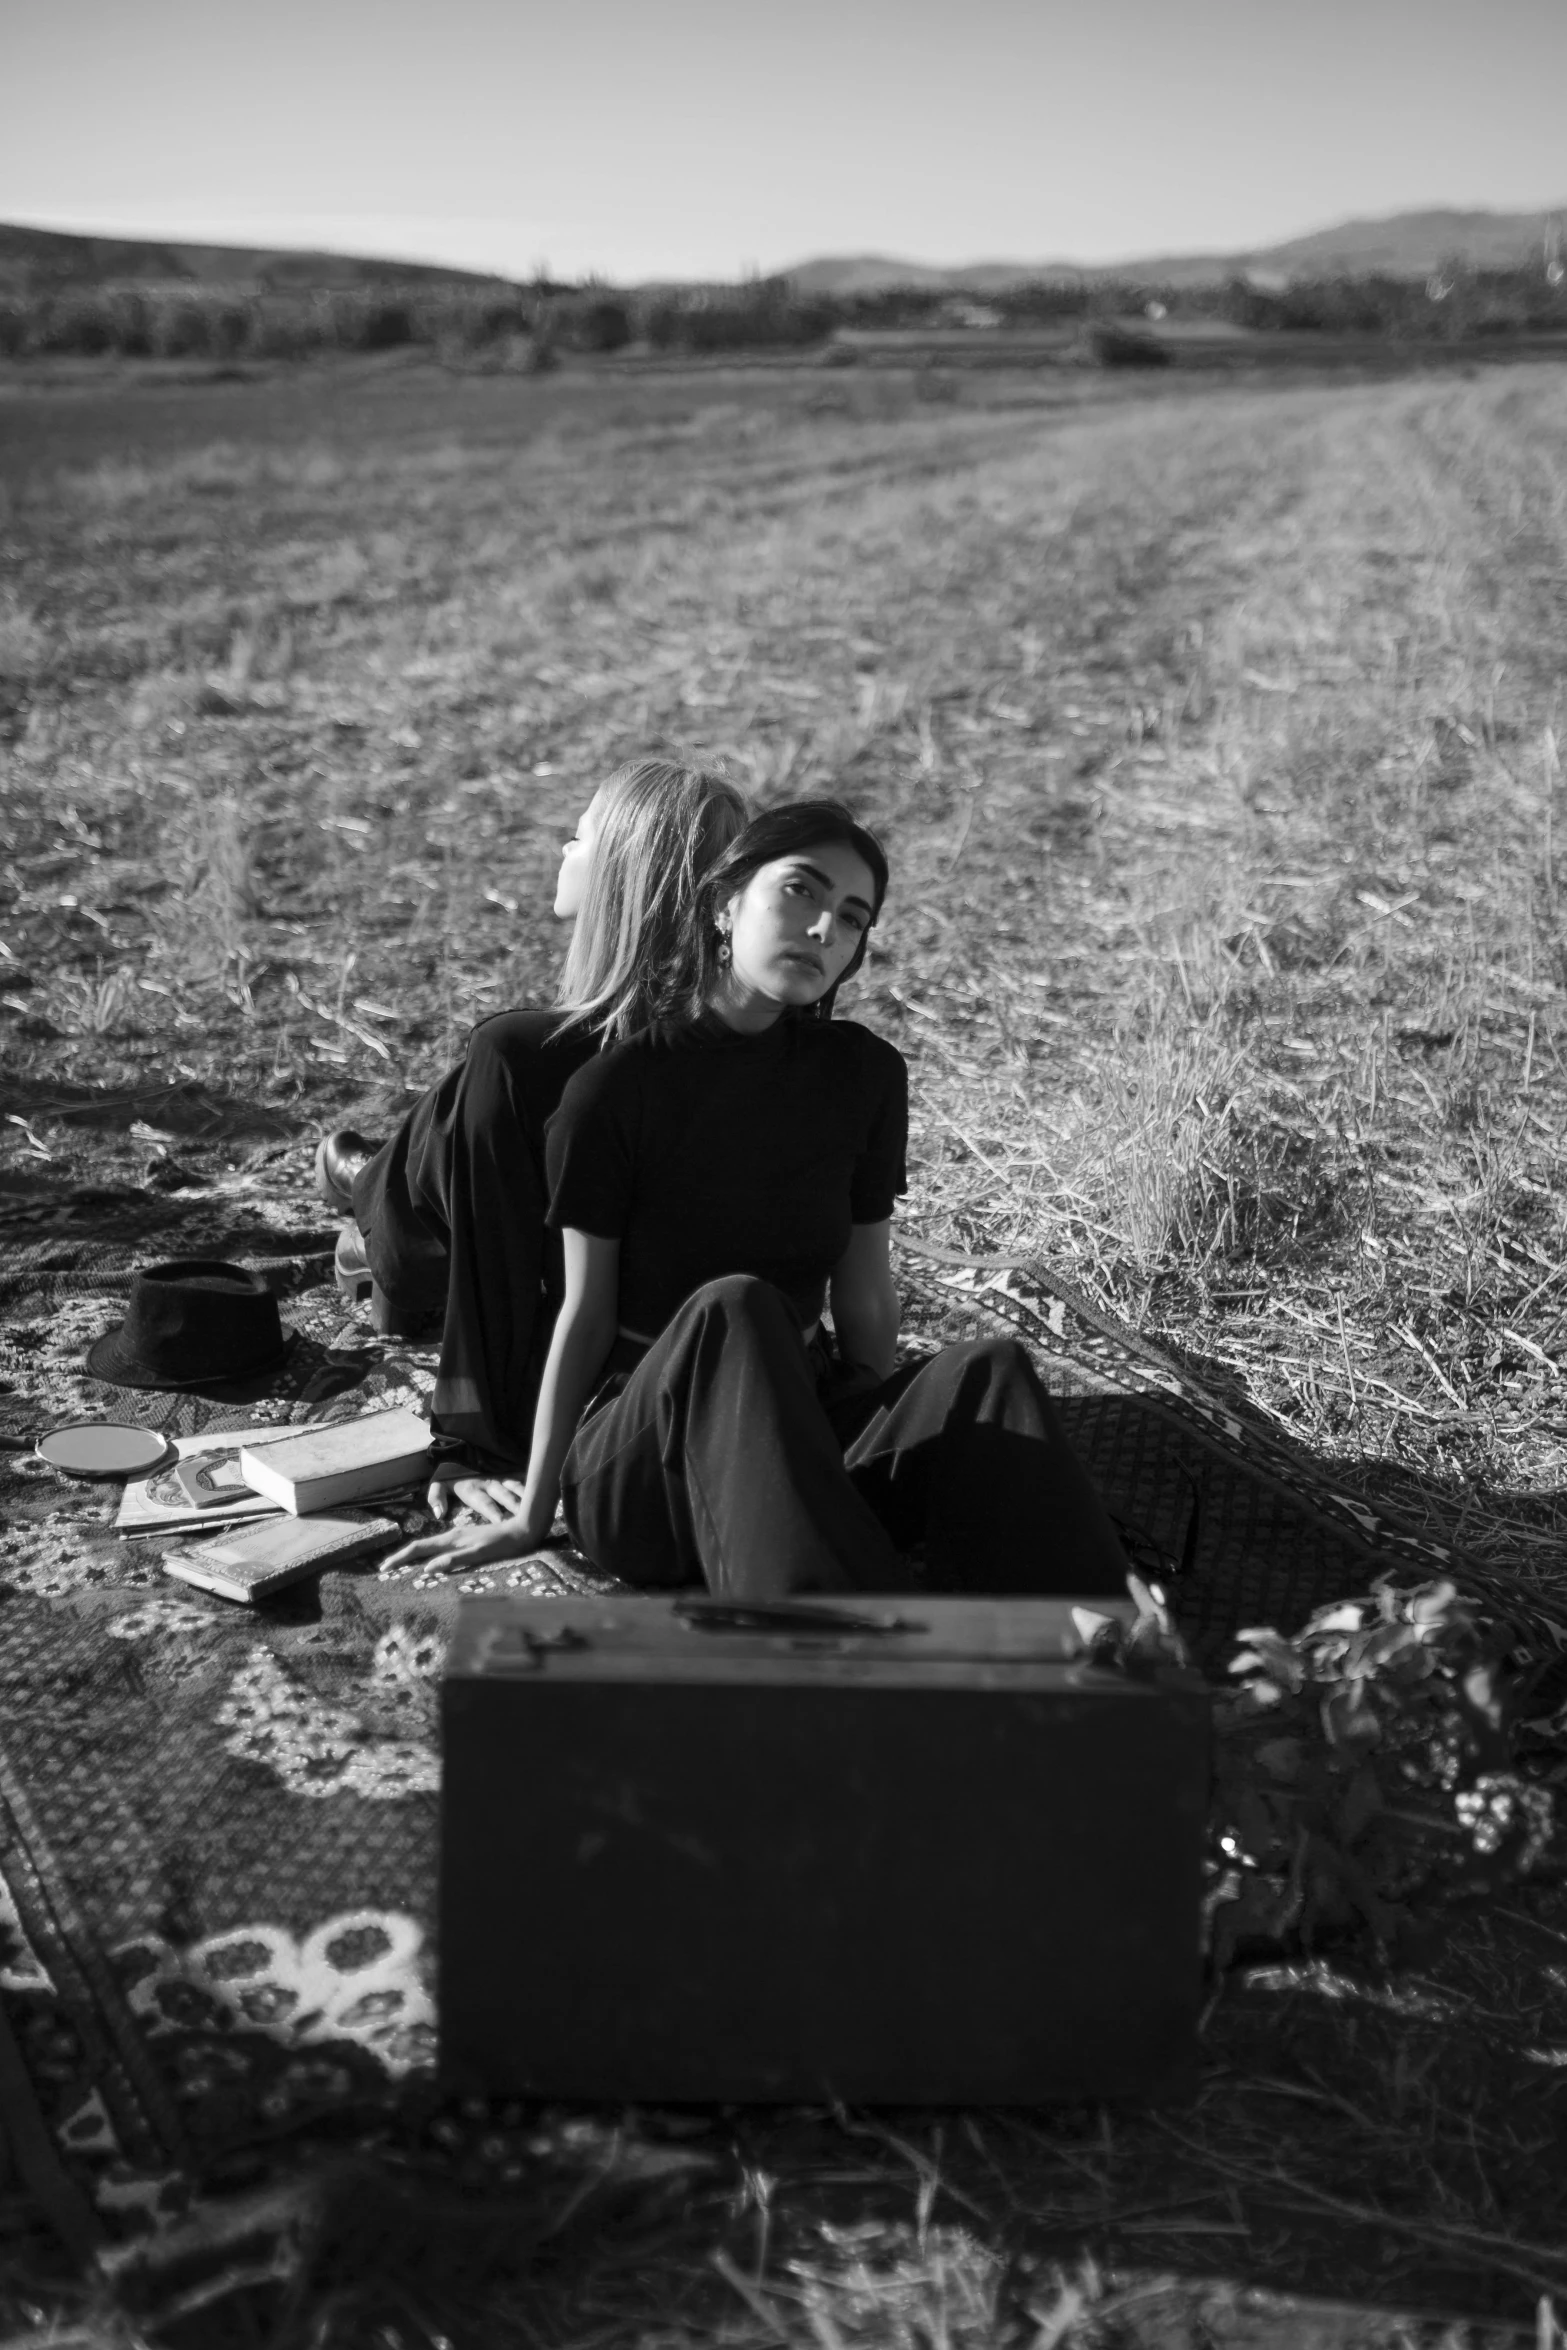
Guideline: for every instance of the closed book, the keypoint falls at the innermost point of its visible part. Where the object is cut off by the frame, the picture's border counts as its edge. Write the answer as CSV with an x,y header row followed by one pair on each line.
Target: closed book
x,y
264,1559
313,1469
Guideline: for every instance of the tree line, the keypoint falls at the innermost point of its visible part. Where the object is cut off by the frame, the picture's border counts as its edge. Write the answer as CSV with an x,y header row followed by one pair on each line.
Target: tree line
x,y
532,326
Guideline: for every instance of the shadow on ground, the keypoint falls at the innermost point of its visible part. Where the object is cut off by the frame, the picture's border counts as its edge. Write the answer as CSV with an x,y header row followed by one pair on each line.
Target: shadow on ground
x,y
182,1106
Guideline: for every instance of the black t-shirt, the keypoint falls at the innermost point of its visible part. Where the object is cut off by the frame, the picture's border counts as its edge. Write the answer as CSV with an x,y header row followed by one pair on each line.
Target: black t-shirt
x,y
704,1152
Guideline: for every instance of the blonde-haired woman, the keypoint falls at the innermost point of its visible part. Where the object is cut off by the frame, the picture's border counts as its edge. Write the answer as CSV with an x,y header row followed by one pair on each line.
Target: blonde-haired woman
x,y
448,1216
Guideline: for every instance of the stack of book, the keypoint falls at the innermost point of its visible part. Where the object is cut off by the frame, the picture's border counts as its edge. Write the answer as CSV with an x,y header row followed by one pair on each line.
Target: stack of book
x,y
264,1481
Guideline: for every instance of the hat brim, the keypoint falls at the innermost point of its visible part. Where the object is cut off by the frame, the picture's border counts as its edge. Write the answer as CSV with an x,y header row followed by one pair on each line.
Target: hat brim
x,y
106,1359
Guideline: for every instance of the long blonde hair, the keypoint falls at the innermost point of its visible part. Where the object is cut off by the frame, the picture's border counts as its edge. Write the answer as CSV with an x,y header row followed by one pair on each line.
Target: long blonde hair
x,y
661,827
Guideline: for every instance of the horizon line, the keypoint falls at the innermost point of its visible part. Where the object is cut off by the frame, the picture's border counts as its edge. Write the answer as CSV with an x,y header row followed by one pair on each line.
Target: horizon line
x,y
307,245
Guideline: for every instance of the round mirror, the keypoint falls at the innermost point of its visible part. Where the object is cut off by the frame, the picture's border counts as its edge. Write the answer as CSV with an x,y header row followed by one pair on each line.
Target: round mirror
x,y
104,1448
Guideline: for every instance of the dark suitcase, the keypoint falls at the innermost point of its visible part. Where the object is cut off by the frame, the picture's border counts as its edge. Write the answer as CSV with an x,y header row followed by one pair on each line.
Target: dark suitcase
x,y
910,1851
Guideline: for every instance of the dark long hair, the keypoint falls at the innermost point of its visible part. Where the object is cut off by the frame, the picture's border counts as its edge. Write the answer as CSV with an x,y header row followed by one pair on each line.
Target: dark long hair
x,y
788,831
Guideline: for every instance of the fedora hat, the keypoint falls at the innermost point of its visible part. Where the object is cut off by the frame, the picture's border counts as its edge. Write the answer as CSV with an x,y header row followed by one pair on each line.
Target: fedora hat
x,y
193,1323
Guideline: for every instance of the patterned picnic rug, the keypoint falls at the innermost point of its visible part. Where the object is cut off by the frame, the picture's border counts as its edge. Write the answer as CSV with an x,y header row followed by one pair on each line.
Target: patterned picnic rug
x,y
218,1826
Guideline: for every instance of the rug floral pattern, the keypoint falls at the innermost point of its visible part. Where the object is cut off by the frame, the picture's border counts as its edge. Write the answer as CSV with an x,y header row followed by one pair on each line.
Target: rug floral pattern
x,y
218,1825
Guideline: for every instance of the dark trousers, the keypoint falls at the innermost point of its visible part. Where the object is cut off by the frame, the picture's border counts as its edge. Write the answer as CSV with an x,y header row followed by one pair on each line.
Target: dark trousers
x,y
733,1455
452,1214
407,1247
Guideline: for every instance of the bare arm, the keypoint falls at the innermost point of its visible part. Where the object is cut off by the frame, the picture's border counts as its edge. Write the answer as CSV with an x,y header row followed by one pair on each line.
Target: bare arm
x,y
866,1309
583,1334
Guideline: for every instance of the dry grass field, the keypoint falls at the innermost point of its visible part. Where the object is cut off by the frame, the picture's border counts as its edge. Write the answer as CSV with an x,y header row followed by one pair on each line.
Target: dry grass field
x,y
1215,732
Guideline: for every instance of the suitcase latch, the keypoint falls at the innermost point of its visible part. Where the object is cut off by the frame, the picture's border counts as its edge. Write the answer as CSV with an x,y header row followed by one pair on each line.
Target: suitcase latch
x,y
519,1648
786,1615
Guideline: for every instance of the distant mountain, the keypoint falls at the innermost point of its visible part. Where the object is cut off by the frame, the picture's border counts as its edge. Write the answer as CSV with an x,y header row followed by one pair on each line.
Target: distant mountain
x,y
43,260
1407,244
1412,244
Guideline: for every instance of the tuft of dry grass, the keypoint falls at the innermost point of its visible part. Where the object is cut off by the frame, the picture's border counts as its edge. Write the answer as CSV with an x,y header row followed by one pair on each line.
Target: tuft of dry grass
x,y
201,934
23,640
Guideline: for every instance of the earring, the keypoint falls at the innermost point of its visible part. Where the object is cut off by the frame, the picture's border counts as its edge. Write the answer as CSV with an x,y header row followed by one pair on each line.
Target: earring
x,y
725,951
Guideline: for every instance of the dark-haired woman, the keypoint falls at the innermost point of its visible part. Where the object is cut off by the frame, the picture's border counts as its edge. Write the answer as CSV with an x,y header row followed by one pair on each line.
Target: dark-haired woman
x,y
448,1215
718,1182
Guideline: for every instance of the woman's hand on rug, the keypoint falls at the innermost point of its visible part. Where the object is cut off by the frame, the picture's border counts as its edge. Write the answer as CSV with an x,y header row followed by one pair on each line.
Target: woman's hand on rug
x,y
490,1498
459,1547
438,1493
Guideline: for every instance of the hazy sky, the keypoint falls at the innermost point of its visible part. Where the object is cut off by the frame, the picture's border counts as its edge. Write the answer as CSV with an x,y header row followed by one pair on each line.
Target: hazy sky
x,y
703,137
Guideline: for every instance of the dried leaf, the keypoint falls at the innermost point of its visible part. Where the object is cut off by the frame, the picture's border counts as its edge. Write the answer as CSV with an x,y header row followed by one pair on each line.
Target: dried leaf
x,y
1348,1717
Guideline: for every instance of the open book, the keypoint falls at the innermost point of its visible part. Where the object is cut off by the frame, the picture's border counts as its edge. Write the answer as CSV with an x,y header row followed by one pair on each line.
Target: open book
x,y
159,1504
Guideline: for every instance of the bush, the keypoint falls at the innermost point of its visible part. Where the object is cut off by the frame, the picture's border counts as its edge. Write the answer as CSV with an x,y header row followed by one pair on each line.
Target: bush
x,y
386,326
283,326
1121,346
132,326
603,326
76,325
1452,305
891,308
1044,303
474,320
765,313
179,329
228,328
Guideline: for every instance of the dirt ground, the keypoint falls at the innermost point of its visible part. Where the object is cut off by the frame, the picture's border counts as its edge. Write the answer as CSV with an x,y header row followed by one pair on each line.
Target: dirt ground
x,y
1213,728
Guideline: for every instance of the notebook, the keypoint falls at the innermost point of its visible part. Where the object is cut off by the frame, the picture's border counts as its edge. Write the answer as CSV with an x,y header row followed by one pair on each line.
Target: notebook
x,y
263,1559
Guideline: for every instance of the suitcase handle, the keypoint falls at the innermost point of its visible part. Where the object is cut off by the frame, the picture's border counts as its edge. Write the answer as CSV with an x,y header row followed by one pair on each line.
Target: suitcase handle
x,y
784,1615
